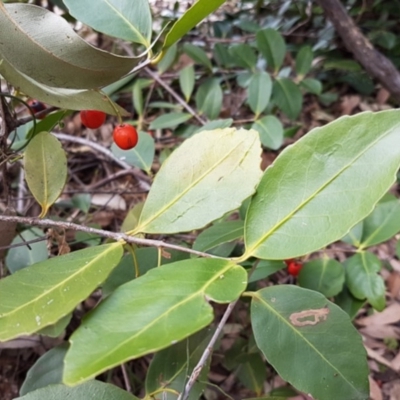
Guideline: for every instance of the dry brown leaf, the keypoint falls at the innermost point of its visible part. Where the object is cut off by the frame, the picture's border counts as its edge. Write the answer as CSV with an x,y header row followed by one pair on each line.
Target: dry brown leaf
x,y
377,357
390,315
375,391
381,331
349,104
393,283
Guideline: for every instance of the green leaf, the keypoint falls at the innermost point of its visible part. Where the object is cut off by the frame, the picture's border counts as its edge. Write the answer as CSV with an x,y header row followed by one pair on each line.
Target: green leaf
x,y
186,81
169,367
196,13
347,302
52,289
287,97
140,156
354,235
325,276
311,85
194,186
55,330
151,316
259,92
197,54
383,223
43,46
264,269
168,59
47,370
209,98
222,56
303,60
318,188
21,257
243,55
216,124
252,372
289,320
218,234
58,97
363,280
45,169
94,390
270,130
170,120
272,46
123,19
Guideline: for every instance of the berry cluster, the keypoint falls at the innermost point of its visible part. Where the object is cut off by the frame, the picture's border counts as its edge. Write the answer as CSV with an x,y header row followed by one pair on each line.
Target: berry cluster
x,y
125,136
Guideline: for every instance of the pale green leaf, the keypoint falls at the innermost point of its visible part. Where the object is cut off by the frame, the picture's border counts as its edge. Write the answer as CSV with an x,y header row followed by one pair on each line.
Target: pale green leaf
x,y
43,46
45,169
320,187
272,46
311,85
259,92
169,367
143,316
40,295
363,280
288,320
21,257
170,120
196,13
64,98
194,185
186,81
140,156
209,98
287,96
325,276
94,390
47,370
270,130
169,57
197,54
124,19
383,223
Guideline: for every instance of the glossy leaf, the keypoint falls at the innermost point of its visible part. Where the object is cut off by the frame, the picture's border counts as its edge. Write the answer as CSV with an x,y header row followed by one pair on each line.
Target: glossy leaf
x,y
124,19
243,55
186,81
43,46
45,169
218,234
259,92
287,97
197,54
58,97
21,257
194,186
151,316
309,326
325,276
209,98
93,390
170,120
272,46
47,370
318,188
270,130
52,288
303,60
195,14
169,367
363,280
383,223
140,156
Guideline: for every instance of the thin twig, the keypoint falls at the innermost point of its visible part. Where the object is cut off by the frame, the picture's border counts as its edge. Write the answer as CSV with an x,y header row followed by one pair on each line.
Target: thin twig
x,y
128,386
200,365
48,223
175,95
144,180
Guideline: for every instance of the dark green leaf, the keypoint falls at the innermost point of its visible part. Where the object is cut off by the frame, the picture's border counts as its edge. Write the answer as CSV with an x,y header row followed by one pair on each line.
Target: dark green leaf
x,y
197,54
259,92
209,98
287,97
272,46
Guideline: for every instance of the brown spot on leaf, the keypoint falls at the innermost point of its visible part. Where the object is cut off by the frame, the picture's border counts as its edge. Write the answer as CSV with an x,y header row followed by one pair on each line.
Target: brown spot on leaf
x,y
309,317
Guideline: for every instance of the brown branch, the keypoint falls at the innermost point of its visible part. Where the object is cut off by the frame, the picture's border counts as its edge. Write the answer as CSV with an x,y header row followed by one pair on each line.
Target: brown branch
x,y
374,62
48,223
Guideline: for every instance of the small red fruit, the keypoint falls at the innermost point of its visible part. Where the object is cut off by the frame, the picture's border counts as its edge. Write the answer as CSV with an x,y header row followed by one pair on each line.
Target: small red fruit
x,y
92,118
294,267
125,136
36,105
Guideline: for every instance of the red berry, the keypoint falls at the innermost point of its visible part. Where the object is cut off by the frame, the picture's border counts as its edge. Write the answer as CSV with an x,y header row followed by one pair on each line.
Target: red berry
x,y
294,267
92,118
125,136
36,105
